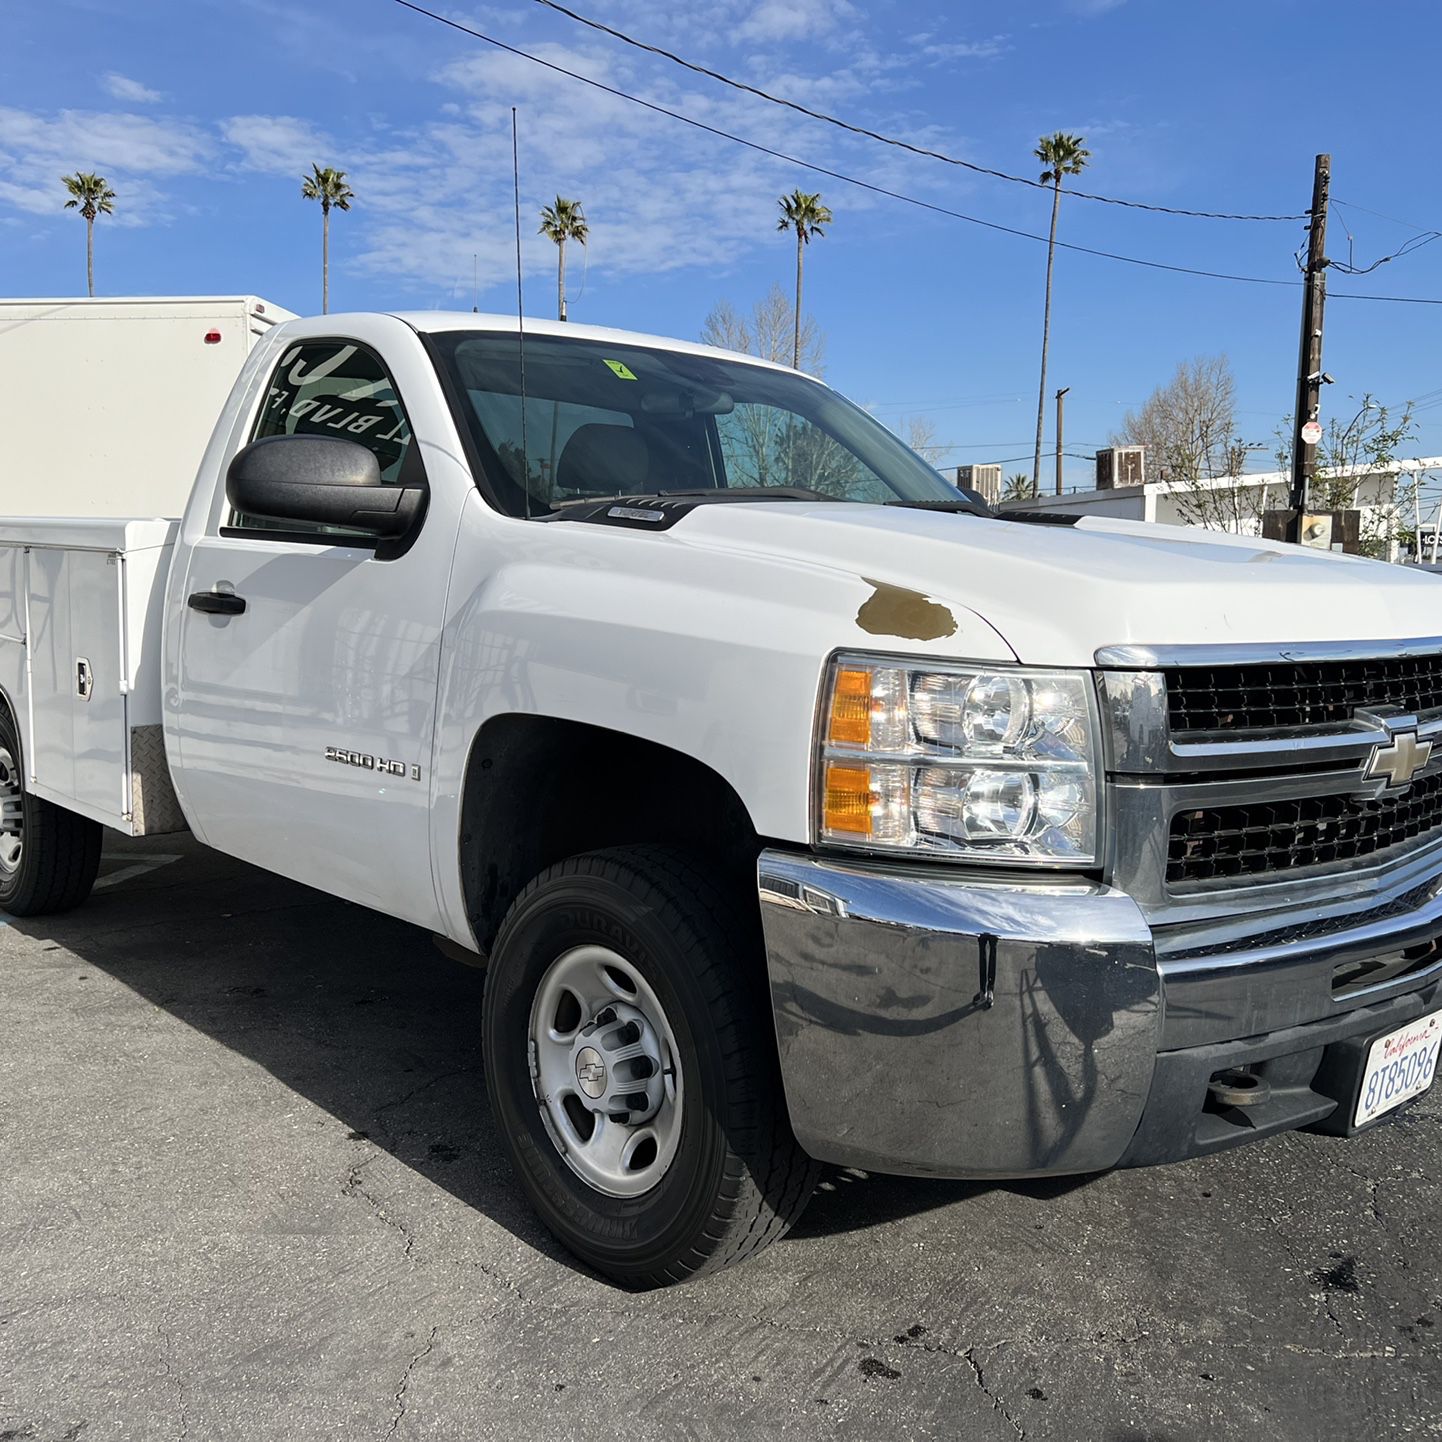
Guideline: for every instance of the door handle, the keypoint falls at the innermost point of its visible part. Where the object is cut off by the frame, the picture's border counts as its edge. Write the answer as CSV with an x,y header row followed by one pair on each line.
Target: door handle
x,y
217,603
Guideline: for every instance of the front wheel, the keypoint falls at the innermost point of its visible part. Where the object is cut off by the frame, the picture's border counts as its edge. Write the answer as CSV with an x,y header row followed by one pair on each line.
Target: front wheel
x,y
48,856
630,1065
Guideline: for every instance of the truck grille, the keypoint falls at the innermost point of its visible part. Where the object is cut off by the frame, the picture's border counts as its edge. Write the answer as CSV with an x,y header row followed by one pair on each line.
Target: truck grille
x,y
1277,836
1319,693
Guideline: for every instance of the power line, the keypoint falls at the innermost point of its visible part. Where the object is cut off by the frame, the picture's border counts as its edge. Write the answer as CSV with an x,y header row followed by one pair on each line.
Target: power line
x,y
825,170
889,139
1405,224
1010,460
867,185
981,445
943,402
1345,267
1393,299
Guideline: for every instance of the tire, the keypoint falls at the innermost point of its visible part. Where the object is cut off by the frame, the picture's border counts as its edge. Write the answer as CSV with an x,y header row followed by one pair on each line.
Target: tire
x,y
48,856
721,1176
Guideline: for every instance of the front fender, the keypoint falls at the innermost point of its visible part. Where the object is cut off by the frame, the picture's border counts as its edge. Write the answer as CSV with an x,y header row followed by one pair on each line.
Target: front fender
x,y
714,652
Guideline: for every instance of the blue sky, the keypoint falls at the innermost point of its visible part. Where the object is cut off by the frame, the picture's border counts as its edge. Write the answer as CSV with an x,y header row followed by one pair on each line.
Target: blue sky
x,y
203,115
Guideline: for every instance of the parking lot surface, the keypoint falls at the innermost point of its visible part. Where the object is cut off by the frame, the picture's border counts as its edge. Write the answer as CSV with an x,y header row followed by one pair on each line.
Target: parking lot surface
x,y
250,1188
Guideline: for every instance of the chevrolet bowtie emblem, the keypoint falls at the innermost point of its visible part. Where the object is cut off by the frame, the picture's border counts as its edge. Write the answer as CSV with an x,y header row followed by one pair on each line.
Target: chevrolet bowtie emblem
x,y
1399,761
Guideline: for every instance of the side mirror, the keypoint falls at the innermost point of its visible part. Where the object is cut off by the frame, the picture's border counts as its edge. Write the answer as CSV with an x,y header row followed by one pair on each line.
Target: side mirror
x,y
323,480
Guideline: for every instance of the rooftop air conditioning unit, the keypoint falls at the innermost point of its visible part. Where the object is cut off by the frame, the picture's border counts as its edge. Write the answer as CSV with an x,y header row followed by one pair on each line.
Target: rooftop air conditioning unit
x,y
986,480
1121,466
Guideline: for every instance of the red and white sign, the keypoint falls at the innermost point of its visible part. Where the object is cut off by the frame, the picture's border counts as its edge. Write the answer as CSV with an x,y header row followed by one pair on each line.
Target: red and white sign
x,y
1311,433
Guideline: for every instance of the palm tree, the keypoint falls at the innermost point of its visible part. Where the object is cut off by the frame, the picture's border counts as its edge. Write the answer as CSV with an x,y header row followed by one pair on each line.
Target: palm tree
x,y
804,214
327,186
1062,155
563,221
1018,488
91,195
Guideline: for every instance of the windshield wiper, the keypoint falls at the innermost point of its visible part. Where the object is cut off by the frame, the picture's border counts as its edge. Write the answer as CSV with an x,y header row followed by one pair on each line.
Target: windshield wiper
x,y
750,493
702,493
959,507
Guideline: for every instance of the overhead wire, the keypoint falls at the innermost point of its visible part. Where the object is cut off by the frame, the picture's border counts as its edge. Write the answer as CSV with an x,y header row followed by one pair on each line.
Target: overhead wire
x,y
1405,224
826,170
1393,299
981,445
1347,268
891,140
875,189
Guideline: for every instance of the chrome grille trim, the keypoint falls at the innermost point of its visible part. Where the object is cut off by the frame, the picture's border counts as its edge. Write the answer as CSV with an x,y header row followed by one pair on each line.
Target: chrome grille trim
x,y
1150,658
1141,742
1155,773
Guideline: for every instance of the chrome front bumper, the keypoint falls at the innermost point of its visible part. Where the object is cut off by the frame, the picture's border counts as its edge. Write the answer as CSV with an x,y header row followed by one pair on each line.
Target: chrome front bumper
x,y
938,1025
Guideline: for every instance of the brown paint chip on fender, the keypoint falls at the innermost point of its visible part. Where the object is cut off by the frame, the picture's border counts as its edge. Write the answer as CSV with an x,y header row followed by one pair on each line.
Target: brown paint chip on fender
x,y
895,611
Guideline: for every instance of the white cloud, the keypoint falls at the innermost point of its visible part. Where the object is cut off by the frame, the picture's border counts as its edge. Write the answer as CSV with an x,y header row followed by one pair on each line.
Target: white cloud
x,y
122,87
278,143
131,151
774,20
430,195
932,47
659,195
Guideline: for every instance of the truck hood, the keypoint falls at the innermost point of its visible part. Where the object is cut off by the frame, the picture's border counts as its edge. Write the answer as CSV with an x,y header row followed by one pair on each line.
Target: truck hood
x,y
1057,594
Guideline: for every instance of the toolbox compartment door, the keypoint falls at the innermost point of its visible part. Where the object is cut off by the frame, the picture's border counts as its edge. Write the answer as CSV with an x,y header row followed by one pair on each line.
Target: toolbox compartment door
x,y
78,750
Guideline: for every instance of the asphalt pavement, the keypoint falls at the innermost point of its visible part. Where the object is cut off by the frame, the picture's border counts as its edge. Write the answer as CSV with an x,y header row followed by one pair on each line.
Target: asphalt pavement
x,y
250,1188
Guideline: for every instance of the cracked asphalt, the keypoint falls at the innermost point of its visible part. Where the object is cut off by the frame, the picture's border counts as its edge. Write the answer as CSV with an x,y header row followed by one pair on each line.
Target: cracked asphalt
x,y
250,1188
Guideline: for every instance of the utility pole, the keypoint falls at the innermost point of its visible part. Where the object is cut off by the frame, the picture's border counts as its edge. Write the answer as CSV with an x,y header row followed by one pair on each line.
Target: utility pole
x,y
1059,395
1306,425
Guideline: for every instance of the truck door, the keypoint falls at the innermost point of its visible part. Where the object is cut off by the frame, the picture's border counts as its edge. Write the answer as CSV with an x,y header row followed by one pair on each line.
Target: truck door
x,y
304,721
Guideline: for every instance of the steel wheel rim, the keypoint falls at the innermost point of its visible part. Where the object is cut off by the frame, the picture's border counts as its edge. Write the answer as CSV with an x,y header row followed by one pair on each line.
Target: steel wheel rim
x,y
12,814
570,1039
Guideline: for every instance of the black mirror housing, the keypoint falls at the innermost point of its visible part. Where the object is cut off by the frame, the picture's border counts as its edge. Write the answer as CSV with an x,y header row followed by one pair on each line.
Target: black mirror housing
x,y
322,480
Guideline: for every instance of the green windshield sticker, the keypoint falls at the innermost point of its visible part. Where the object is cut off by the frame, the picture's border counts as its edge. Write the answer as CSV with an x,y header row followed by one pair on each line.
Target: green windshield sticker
x,y
621,369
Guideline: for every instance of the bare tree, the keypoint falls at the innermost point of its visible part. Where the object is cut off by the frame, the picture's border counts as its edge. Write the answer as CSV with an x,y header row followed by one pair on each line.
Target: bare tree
x,y
1188,427
766,445
1364,449
768,332
920,434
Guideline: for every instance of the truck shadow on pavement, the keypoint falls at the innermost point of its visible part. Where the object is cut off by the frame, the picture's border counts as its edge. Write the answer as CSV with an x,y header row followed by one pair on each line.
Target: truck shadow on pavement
x,y
363,1017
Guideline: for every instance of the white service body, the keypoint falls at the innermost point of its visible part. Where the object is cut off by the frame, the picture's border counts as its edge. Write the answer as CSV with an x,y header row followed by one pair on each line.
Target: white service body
x,y
80,653
108,403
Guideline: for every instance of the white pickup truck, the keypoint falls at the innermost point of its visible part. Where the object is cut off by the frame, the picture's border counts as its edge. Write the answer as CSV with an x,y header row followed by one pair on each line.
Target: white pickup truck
x,y
804,810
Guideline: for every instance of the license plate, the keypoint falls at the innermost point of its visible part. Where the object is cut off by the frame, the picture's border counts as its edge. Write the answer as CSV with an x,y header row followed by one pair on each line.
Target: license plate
x,y
1399,1066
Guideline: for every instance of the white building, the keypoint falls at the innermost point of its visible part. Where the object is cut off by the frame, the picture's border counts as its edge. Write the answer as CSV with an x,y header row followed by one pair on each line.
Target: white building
x,y
1389,501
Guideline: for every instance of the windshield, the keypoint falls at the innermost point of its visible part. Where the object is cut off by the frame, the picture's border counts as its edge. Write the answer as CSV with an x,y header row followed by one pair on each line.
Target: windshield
x,y
605,419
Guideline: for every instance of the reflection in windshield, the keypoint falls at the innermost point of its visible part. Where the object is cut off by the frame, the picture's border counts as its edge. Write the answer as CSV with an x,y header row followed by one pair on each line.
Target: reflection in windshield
x,y
601,419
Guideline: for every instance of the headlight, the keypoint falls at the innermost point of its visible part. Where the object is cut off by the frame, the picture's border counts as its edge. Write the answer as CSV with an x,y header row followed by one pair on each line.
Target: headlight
x,y
994,763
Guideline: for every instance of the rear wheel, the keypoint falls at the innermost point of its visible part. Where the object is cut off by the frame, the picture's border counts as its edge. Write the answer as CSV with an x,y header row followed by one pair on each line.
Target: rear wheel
x,y
630,1064
48,856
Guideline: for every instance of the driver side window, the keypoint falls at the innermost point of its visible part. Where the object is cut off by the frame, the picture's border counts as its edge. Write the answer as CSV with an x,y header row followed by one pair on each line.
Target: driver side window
x,y
336,388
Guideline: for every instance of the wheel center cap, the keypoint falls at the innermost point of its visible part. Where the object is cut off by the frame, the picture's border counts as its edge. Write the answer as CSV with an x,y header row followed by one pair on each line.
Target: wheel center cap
x,y
591,1071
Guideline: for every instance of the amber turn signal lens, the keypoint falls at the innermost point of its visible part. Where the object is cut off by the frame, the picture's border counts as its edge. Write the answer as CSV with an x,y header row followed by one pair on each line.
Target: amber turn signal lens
x,y
848,799
851,708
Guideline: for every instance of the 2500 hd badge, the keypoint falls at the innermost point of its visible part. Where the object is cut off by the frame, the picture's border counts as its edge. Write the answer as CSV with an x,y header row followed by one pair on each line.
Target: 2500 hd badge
x,y
372,763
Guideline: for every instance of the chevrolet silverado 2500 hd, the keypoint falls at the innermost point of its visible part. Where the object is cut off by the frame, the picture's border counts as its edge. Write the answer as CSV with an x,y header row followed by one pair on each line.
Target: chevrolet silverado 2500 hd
x,y
804,810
